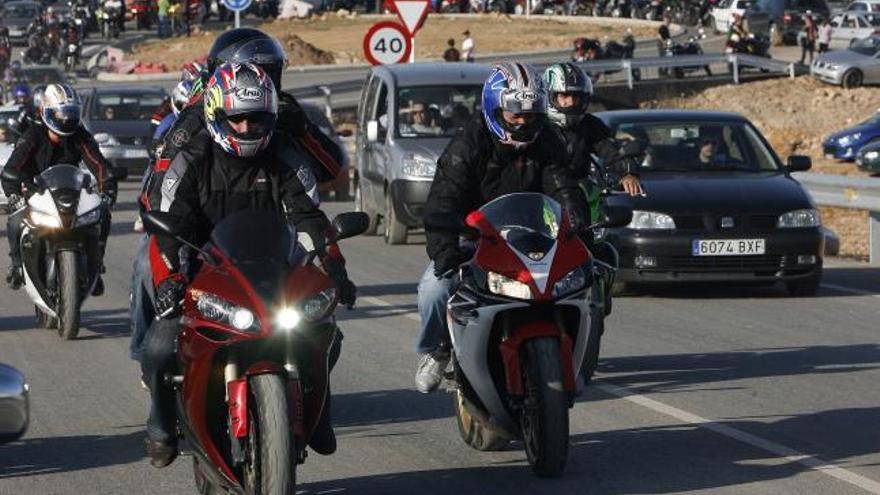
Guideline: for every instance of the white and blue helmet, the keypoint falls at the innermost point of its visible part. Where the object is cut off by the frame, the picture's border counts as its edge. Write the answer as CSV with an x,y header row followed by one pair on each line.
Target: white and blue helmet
x,y
514,87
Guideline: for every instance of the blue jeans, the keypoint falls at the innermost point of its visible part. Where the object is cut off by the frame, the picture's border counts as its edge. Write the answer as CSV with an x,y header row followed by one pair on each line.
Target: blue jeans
x,y
164,26
434,293
140,299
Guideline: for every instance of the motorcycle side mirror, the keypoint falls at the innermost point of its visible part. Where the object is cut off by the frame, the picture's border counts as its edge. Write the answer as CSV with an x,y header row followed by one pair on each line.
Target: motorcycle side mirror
x,y
161,223
351,224
14,404
615,216
449,222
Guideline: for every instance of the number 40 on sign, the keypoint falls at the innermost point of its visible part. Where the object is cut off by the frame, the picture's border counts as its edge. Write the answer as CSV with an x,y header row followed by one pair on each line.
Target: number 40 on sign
x,y
387,43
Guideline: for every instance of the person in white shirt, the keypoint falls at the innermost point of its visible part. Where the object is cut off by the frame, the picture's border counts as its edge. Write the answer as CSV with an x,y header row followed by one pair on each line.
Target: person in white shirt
x,y
824,36
467,47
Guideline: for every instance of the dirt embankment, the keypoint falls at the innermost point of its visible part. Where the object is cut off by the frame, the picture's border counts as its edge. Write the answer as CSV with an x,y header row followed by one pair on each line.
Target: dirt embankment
x,y
796,116
338,38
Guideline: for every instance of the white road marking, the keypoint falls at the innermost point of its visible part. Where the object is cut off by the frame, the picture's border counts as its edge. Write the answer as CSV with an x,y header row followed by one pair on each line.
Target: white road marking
x,y
786,453
375,301
850,290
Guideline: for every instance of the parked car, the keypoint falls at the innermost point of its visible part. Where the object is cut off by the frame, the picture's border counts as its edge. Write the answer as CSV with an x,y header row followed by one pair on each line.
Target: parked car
x,y
784,21
845,144
42,75
864,6
119,118
406,116
868,158
721,207
857,65
16,16
341,186
851,27
14,404
722,13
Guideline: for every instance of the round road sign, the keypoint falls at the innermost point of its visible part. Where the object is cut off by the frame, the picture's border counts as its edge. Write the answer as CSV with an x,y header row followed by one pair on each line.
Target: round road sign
x,y
237,5
387,42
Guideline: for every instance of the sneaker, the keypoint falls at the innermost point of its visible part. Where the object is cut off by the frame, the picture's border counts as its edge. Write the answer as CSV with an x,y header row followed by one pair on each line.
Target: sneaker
x,y
15,277
161,454
430,371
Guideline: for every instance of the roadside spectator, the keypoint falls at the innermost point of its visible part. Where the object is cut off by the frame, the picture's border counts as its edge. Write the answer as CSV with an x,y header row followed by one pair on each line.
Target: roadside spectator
x,y
451,54
663,35
467,47
824,36
520,8
808,38
164,21
572,7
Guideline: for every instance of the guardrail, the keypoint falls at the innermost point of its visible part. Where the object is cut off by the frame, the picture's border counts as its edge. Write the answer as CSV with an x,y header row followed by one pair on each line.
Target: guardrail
x,y
849,192
736,60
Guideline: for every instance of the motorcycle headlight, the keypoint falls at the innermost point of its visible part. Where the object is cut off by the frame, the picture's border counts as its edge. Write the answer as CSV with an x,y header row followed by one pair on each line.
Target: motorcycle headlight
x,y
574,281
317,307
799,218
287,319
643,220
45,219
419,166
499,284
89,217
222,311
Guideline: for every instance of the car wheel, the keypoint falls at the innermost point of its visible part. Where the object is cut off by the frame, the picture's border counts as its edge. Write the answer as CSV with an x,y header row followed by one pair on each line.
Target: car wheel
x,y
852,79
804,288
359,205
395,231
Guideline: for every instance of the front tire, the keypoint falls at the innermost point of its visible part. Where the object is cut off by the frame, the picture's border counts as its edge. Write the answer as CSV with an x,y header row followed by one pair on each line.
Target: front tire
x,y
271,465
544,419
67,308
852,79
360,205
395,230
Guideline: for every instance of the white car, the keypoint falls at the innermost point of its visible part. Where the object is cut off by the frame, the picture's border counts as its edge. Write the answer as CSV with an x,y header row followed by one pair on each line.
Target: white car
x,y
849,27
722,13
864,6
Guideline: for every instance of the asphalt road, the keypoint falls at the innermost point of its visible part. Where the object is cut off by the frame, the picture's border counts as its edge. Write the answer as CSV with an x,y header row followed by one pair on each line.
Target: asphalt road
x,y
709,390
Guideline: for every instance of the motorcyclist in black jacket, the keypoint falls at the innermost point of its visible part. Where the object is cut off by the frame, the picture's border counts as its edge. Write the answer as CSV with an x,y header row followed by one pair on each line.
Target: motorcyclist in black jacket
x,y
61,139
505,150
248,166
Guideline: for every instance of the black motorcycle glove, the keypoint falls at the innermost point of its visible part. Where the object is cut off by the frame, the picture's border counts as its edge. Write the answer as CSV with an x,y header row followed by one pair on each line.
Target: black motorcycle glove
x,y
169,297
16,202
446,263
347,291
110,192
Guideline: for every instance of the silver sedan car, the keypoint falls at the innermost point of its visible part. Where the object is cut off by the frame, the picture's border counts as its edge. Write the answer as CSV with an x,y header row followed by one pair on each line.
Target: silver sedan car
x,y
857,65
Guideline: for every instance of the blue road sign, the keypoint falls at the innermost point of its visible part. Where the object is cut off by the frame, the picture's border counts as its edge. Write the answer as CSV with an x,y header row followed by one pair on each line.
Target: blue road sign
x,y
237,5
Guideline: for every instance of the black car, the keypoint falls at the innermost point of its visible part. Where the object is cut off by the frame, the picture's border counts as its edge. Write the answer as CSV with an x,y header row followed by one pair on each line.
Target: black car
x,y
17,16
786,17
720,205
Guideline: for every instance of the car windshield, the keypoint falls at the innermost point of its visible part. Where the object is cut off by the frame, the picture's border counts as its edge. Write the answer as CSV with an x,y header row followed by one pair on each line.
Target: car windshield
x,y
868,46
436,111
699,146
26,11
126,106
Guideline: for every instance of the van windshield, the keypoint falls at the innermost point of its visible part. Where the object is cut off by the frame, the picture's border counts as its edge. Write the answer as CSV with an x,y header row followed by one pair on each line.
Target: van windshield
x,y
436,111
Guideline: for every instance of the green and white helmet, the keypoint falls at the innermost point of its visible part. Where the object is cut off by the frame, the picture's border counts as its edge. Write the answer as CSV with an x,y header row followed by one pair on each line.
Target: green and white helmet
x,y
567,78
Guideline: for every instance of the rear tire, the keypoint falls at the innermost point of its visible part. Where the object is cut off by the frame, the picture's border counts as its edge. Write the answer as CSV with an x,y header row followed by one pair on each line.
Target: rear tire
x,y
474,427
395,230
544,419
68,295
270,462
360,205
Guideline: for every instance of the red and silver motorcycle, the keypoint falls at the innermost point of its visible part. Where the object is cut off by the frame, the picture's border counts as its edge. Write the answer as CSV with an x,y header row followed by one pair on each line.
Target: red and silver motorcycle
x,y
520,324
254,351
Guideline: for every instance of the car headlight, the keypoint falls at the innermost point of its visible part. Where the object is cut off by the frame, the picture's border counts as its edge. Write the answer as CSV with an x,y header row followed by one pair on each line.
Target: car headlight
x,y
45,219
317,307
850,138
501,285
419,166
89,217
651,220
574,281
872,155
800,218
222,311
104,139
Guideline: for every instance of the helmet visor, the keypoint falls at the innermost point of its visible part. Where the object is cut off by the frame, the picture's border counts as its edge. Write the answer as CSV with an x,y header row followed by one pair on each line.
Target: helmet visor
x,y
63,119
523,101
249,126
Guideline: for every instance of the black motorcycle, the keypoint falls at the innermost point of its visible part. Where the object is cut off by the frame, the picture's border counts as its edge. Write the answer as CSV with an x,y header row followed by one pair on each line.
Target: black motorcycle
x,y
60,244
691,47
611,50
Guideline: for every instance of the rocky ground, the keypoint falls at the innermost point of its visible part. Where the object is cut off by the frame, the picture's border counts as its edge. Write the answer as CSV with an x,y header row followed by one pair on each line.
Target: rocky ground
x,y
795,116
338,38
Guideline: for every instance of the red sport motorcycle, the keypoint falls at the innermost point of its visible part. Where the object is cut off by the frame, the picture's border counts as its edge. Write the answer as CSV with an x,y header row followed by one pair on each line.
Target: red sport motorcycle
x,y
521,322
254,351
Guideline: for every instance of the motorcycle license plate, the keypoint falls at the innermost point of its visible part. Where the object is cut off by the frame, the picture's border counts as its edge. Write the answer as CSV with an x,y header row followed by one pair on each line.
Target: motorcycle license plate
x,y
135,154
728,247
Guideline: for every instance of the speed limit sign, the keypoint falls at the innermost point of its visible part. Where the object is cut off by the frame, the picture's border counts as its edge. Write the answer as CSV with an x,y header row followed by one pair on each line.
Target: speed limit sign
x,y
387,42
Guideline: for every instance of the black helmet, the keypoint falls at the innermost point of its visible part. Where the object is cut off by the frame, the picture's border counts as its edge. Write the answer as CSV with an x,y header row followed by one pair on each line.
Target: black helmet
x,y
249,46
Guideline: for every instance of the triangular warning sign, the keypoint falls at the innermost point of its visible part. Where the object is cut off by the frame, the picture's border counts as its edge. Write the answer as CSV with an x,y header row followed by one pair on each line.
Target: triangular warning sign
x,y
412,13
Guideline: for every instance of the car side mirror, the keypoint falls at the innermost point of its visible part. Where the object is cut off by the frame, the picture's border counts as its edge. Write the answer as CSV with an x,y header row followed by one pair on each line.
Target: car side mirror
x,y
799,163
14,404
351,224
161,223
373,131
616,216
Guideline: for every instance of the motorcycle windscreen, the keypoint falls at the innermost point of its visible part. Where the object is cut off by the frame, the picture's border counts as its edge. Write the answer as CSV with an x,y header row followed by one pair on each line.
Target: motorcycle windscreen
x,y
60,177
528,222
262,245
